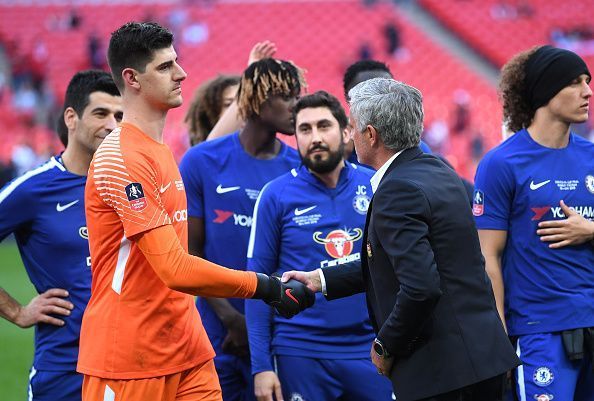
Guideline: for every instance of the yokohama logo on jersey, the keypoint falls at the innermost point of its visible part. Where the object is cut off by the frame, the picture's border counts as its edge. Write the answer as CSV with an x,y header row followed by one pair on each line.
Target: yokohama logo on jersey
x,y
238,219
584,211
180,215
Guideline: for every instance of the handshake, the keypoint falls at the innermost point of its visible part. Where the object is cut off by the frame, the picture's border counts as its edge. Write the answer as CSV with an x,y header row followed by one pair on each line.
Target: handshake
x,y
288,298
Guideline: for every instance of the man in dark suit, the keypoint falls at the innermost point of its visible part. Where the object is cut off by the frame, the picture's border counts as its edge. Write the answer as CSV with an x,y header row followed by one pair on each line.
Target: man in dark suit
x,y
439,336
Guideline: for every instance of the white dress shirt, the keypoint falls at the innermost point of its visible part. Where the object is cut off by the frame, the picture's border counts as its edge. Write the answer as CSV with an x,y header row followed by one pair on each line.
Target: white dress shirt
x,y
379,174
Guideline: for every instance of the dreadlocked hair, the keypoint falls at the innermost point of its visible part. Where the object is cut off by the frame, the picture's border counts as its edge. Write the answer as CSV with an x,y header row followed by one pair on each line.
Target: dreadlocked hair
x,y
205,109
517,113
266,78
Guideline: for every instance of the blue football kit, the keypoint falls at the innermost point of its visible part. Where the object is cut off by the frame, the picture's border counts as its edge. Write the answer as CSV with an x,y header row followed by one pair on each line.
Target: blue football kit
x,y
222,184
300,224
547,291
44,208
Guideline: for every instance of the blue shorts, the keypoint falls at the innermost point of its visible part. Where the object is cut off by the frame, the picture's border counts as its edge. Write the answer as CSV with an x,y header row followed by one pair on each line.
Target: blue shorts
x,y
47,385
308,379
547,374
235,377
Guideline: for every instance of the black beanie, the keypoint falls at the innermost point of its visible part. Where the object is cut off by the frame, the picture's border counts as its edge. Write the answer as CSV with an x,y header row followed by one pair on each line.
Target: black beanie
x,y
548,71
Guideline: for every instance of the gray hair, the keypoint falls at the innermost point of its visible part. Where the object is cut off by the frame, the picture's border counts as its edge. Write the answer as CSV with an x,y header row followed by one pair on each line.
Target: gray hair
x,y
393,108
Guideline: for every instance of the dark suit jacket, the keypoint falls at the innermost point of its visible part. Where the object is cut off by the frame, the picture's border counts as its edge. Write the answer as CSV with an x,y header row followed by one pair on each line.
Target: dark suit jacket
x,y
429,297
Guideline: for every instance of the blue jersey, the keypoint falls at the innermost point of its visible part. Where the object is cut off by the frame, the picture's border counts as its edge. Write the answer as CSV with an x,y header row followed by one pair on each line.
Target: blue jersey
x,y
45,210
222,184
517,185
299,223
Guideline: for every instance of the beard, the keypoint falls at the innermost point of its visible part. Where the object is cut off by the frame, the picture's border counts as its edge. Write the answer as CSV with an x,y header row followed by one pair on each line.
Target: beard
x,y
322,166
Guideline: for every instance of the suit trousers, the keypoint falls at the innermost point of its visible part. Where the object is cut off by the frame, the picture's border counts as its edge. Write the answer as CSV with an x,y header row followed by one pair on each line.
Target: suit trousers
x,y
488,390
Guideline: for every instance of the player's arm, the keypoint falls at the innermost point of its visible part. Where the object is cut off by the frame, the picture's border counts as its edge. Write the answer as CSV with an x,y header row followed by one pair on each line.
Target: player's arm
x,y
191,168
263,251
573,230
18,207
495,189
492,247
39,310
333,282
183,272
231,121
236,340
160,245
260,324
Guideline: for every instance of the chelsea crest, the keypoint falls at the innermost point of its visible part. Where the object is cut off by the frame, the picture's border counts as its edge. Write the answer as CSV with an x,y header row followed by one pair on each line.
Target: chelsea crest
x,y
361,200
590,183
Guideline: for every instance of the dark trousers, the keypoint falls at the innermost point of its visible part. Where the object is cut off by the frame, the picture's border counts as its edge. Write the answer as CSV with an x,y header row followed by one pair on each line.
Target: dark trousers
x,y
488,390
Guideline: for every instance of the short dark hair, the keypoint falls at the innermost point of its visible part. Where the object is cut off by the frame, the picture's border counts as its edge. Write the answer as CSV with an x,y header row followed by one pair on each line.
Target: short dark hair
x,y
206,106
361,66
79,90
266,78
323,99
132,46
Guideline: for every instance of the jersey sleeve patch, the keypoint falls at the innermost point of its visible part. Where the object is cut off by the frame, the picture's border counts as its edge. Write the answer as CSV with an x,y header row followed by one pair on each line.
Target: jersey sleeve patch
x,y
478,203
135,195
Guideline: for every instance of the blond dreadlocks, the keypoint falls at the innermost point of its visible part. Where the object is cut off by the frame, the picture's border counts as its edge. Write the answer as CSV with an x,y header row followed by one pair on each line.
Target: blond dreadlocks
x,y
266,78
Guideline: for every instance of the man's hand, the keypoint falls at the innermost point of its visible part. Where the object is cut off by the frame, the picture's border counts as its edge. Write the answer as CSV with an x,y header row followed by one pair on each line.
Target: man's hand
x,y
267,385
383,365
310,279
288,298
261,50
574,230
236,341
42,307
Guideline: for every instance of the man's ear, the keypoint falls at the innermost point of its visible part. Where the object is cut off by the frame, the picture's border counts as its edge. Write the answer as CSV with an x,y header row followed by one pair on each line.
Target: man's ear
x,y
374,138
130,75
70,118
346,136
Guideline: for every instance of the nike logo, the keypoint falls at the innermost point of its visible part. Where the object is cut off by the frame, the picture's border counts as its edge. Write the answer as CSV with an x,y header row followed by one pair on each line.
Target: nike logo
x,y
299,212
61,208
288,293
534,186
164,188
224,190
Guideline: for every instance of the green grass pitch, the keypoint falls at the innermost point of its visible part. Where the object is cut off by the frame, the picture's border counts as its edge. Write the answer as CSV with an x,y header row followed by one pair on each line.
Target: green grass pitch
x,y
16,344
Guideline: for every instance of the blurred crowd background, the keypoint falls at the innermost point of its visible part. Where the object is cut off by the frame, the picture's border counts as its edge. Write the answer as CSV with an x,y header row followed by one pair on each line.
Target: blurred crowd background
x,y
450,49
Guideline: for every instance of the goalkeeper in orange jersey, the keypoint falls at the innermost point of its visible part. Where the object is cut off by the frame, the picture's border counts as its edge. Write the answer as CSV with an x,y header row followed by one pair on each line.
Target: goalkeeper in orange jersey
x,y
141,336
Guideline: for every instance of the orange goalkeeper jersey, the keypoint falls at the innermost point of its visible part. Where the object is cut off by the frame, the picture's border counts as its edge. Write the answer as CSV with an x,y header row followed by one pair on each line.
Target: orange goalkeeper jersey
x,y
134,326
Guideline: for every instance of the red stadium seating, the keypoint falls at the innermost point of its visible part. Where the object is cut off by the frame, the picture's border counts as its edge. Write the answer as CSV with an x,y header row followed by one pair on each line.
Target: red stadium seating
x,y
500,38
322,37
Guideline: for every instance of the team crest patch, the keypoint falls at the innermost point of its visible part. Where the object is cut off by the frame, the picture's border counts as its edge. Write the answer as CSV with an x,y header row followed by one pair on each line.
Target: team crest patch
x,y
544,397
135,195
297,397
361,200
543,376
478,203
590,183
361,203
